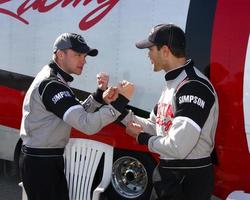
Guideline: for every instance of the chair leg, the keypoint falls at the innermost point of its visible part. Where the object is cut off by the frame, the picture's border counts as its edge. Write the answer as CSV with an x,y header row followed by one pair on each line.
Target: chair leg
x,y
24,195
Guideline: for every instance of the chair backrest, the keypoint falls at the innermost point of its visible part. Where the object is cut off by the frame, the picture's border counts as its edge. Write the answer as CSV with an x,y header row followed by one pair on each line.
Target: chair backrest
x,y
82,157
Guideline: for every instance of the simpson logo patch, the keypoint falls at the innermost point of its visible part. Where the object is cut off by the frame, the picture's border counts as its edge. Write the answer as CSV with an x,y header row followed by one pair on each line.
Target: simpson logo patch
x,y
192,99
60,95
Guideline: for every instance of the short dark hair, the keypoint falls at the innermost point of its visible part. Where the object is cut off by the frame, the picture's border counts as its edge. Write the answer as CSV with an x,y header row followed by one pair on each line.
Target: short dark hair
x,y
179,53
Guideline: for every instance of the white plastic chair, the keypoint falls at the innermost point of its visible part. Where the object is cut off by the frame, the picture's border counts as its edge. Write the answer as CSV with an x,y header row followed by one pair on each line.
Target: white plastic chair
x,y
24,195
82,157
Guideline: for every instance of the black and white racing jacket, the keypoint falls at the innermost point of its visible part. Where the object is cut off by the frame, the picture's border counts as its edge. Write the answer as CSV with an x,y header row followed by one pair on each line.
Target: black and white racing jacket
x,y
183,123
51,109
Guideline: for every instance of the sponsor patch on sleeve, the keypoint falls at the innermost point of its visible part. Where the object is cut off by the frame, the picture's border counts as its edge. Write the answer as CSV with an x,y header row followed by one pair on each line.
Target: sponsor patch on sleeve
x,y
60,95
86,104
192,100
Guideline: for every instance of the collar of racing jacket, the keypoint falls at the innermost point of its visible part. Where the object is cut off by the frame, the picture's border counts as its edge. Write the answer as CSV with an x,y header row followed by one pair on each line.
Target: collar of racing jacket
x,y
65,76
170,75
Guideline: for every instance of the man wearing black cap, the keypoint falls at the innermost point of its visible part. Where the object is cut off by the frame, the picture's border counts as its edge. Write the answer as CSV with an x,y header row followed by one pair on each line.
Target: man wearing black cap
x,y
51,109
181,127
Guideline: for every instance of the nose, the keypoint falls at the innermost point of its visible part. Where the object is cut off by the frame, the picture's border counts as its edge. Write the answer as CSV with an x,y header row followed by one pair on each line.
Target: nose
x,y
83,60
149,54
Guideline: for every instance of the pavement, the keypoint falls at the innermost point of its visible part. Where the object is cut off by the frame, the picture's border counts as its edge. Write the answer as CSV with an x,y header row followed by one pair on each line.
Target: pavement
x,y
9,189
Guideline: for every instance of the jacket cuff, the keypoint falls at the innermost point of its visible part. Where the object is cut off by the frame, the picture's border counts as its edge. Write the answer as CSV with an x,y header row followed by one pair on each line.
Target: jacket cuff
x,y
97,95
123,115
143,138
120,103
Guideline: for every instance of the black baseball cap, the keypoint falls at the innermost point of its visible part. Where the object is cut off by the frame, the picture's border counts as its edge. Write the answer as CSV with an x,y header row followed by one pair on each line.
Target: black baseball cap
x,y
75,42
164,34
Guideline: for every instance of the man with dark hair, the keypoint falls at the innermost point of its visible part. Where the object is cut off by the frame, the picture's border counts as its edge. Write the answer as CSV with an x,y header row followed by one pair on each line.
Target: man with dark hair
x,y
51,109
181,127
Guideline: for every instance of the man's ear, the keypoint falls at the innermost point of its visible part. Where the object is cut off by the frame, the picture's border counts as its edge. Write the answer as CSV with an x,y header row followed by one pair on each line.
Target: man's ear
x,y
165,50
59,54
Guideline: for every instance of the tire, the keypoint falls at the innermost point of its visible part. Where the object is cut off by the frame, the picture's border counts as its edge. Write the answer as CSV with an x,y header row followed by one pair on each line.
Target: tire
x,y
131,176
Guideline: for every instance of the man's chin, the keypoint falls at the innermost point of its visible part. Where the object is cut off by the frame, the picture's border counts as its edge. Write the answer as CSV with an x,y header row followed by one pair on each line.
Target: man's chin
x,y
79,72
153,67
156,69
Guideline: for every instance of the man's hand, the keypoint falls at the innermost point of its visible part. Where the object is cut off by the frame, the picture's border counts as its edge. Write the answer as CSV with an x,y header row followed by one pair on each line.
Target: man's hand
x,y
126,89
102,80
133,129
109,95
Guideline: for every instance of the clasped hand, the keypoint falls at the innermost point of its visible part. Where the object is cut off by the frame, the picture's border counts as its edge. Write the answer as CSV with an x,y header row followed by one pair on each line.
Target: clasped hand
x,y
124,88
110,94
133,129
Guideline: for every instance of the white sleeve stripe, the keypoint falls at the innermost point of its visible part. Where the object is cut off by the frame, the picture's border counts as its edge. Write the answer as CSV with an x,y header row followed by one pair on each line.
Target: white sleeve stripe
x,y
54,82
69,110
190,121
204,85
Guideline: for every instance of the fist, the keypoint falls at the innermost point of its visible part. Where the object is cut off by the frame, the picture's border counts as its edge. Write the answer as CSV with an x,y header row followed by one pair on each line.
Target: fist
x,y
126,89
102,80
133,129
109,95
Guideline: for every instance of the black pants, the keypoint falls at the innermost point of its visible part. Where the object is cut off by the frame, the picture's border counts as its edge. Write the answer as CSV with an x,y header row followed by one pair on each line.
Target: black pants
x,y
43,177
182,184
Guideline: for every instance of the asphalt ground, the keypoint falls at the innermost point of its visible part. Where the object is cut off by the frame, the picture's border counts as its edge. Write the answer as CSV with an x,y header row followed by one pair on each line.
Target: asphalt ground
x,y
9,189
9,179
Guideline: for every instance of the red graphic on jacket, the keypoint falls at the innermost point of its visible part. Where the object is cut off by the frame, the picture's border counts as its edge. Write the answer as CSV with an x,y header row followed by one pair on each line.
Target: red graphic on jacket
x,y
164,116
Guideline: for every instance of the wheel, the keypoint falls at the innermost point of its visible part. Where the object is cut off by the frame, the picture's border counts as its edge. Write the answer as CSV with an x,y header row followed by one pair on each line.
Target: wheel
x,y
131,176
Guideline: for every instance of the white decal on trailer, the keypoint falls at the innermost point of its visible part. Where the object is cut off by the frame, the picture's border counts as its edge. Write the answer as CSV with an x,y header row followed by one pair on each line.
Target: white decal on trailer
x,y
26,47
